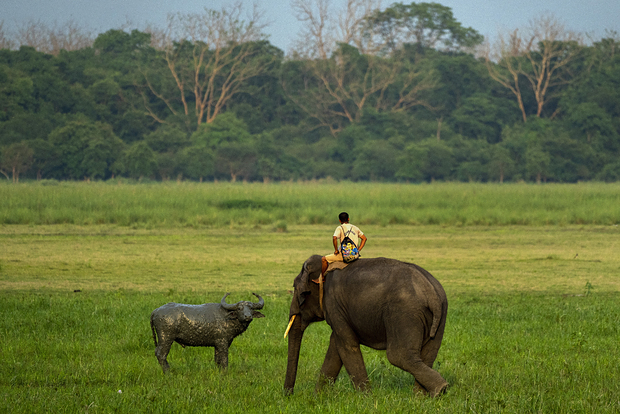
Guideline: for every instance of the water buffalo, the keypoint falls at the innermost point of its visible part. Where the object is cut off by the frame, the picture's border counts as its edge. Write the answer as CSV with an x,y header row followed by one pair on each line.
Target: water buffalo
x,y
210,324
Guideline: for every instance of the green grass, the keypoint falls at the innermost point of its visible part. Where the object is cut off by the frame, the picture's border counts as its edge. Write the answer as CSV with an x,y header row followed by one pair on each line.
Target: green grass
x,y
531,327
533,308
73,352
224,204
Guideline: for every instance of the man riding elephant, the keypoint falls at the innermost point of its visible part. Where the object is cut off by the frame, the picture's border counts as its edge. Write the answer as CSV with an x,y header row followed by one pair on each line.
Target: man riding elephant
x,y
381,303
344,230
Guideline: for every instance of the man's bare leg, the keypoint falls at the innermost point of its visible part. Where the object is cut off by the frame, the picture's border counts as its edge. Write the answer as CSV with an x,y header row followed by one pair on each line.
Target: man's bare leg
x,y
324,265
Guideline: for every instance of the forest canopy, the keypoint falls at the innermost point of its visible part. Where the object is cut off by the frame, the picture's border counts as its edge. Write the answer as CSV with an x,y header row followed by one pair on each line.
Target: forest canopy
x,y
403,93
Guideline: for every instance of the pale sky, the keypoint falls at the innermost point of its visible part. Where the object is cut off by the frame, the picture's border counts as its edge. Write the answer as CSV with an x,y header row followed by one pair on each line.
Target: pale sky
x,y
486,16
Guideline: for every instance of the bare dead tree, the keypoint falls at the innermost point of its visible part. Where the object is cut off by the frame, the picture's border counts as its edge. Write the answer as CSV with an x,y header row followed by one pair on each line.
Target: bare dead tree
x,y
507,53
52,39
210,56
337,90
324,27
557,48
540,57
16,158
34,34
69,36
159,38
345,71
6,41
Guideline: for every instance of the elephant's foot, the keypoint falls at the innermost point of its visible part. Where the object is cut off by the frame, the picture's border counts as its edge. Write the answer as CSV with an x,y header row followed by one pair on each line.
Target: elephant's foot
x,y
435,392
363,386
323,381
419,389
439,390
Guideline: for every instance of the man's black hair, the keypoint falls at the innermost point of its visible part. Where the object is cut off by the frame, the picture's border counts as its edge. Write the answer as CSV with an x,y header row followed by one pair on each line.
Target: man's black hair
x,y
344,217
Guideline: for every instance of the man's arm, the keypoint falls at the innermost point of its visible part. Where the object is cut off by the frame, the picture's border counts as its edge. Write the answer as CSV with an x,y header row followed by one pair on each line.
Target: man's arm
x,y
363,238
335,240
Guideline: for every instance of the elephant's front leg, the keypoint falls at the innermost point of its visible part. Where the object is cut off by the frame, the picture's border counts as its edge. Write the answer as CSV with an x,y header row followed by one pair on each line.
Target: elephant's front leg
x,y
331,366
351,356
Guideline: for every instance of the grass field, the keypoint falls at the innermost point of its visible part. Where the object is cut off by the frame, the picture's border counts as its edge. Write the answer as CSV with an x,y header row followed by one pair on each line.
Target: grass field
x,y
532,321
189,204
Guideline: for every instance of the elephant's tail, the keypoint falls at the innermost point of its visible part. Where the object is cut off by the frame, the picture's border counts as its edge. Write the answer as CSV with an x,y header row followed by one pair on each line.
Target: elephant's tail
x,y
436,318
434,293
435,304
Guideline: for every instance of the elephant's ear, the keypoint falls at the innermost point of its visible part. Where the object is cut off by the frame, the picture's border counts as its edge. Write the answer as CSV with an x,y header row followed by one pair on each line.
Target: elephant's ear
x,y
303,284
311,269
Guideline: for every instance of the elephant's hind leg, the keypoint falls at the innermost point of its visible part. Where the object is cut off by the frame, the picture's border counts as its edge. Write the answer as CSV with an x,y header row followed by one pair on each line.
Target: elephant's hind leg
x,y
331,366
410,361
430,348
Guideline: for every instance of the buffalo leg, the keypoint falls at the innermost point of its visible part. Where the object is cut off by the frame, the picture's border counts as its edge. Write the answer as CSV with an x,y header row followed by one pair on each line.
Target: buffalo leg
x,y
331,366
161,352
221,355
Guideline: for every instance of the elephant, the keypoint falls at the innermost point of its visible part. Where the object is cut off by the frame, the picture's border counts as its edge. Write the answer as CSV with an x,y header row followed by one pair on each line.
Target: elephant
x,y
382,303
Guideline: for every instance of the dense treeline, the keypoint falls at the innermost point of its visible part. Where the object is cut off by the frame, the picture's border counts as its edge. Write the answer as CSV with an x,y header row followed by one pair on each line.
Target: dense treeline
x,y
408,95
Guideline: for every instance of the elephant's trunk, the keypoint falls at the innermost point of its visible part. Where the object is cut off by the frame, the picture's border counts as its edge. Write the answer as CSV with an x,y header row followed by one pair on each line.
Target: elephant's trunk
x,y
296,333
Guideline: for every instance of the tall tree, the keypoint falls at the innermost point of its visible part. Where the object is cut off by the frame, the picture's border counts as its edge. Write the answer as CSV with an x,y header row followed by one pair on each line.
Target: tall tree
x,y
426,25
324,27
16,158
67,36
209,58
86,150
539,59
335,91
139,160
6,40
15,92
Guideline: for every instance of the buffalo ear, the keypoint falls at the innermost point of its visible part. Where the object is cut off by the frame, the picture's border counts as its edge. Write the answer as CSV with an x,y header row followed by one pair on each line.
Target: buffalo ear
x,y
257,314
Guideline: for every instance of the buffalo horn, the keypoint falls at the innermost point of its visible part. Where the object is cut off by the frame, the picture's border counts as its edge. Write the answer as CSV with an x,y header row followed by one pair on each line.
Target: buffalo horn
x,y
260,303
226,305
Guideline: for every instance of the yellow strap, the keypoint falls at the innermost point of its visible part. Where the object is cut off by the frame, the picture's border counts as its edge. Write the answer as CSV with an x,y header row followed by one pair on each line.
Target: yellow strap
x,y
321,291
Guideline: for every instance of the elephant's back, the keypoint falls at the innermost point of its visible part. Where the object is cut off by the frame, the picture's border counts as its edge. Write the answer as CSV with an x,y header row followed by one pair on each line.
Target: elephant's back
x,y
382,268
385,274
